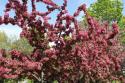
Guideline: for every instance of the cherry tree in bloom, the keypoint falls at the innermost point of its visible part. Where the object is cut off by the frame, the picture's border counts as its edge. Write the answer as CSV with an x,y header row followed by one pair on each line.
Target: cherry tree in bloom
x,y
79,55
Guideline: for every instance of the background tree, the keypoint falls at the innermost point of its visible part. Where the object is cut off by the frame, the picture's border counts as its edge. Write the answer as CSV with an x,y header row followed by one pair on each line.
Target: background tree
x,y
122,28
5,42
22,45
19,44
106,10
122,23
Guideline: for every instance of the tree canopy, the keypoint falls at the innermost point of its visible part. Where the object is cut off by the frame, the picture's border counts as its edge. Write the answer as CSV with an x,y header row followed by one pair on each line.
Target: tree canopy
x,y
109,10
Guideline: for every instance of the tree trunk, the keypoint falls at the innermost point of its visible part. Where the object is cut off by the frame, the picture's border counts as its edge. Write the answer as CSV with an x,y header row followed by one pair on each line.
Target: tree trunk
x,y
36,81
1,81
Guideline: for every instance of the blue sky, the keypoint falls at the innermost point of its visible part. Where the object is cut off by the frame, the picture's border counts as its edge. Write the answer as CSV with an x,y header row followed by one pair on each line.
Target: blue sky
x,y
11,30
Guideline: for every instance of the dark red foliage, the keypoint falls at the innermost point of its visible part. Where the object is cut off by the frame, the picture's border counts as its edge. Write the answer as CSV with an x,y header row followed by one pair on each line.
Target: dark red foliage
x,y
90,54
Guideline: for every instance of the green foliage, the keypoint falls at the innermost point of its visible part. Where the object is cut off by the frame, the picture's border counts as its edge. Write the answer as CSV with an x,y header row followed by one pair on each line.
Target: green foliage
x,y
17,81
122,23
108,10
116,81
5,43
10,81
122,30
55,81
9,44
3,37
22,45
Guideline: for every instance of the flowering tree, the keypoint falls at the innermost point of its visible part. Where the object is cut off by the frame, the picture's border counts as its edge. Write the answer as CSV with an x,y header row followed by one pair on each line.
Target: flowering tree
x,y
78,55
